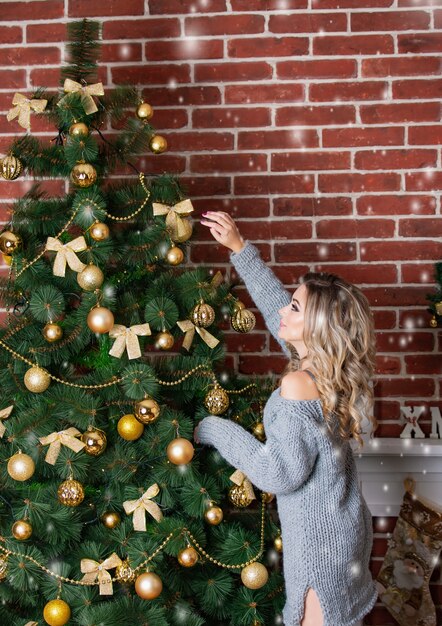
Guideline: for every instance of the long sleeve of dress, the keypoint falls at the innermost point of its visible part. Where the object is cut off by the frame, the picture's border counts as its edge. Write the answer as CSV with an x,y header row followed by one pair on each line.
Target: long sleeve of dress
x,y
280,465
266,290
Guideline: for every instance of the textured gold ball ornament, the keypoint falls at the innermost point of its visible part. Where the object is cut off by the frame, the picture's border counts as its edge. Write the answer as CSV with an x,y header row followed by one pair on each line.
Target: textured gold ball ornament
x,y
202,315
57,613
3,566
11,167
129,428
9,242
188,557
78,129
37,379
164,340
110,519
99,231
238,496
52,332
21,530
217,400
144,111
83,175
214,515
147,411
148,586
433,322
254,576
174,255
243,320
70,492
90,278
185,231
180,451
100,320
95,440
277,543
21,466
158,144
267,497
124,572
259,432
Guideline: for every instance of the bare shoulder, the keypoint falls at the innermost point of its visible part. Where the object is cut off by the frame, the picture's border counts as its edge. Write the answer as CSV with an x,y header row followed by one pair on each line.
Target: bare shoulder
x,y
298,386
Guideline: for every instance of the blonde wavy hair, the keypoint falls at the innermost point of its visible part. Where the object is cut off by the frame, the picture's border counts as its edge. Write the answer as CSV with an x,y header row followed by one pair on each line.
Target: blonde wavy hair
x,y
341,346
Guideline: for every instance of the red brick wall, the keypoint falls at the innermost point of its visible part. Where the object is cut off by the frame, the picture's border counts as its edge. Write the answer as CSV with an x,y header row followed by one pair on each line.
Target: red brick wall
x,y
316,123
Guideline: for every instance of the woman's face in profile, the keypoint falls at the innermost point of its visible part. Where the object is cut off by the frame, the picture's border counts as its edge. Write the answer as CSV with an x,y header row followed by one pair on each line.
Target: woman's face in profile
x,y
292,316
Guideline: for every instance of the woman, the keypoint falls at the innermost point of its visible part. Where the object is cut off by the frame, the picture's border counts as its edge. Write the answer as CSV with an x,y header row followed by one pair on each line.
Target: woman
x,y
325,395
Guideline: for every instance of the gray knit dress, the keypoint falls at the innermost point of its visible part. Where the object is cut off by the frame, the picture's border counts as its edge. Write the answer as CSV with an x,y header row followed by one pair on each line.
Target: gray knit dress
x,y
326,525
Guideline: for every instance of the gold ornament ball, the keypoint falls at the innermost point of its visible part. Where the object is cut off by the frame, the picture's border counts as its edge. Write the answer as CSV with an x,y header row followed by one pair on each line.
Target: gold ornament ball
x,y
52,332
214,515
110,519
259,432
95,440
7,258
267,497
21,466
158,144
238,496
202,315
70,493
124,572
90,278
9,242
180,451
217,401
164,340
78,129
174,256
147,411
433,322
129,428
100,320
99,231
148,586
144,111
184,233
37,379
277,543
254,576
21,529
188,557
57,613
11,167
243,321
3,566
83,175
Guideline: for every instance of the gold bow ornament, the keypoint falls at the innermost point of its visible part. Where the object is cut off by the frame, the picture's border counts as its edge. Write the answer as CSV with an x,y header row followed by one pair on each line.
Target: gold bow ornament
x,y
178,228
128,338
94,570
86,91
143,504
240,479
31,624
67,254
4,414
188,327
22,109
56,440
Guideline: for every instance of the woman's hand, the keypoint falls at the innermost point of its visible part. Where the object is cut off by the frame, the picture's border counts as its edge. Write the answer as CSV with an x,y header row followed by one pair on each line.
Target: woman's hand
x,y
224,229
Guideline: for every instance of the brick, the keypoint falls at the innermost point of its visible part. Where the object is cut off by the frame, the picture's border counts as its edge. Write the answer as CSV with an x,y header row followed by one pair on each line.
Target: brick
x,y
350,4
282,92
263,185
49,77
11,34
352,182
395,159
438,17
99,8
12,79
30,56
50,9
151,74
230,117
228,162
396,205
389,21
223,25
308,23
419,387
267,140
397,113
262,364
388,365
283,162
355,229
401,66
422,89
253,342
17,188
315,115
194,141
420,43
415,227
233,71
170,118
330,45
184,6
268,47
121,52
413,318
417,273
315,252
423,181
180,50
401,250
425,135
361,274
238,207
155,165
255,230
182,96
52,31
364,90
400,296
206,185
150,28
362,136
267,5
340,205
405,341
324,68
427,364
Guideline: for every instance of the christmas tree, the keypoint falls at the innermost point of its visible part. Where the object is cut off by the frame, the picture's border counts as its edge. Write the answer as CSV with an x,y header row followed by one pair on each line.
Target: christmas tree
x,y
110,354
